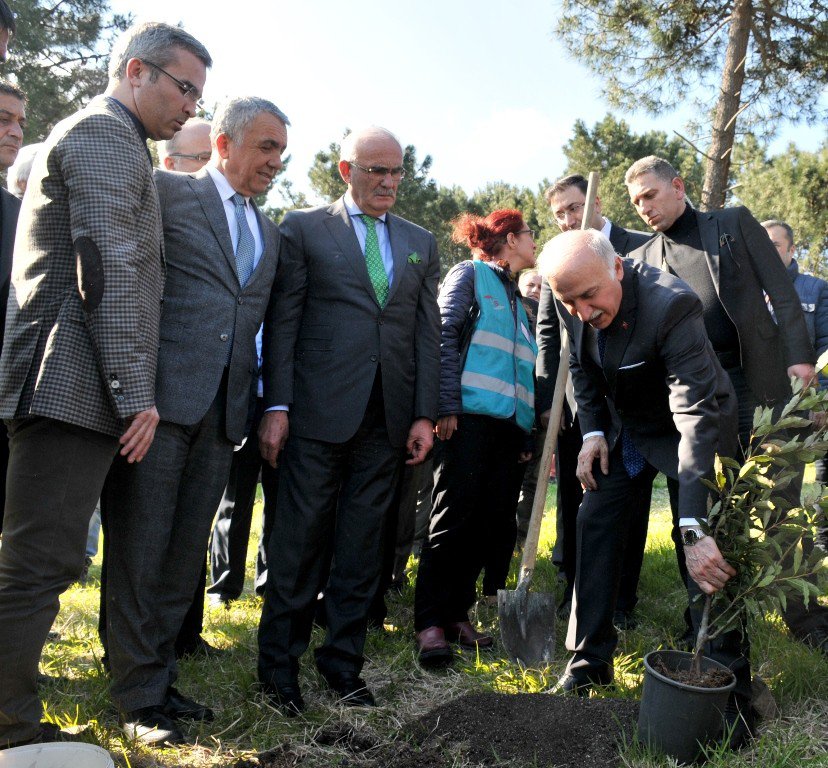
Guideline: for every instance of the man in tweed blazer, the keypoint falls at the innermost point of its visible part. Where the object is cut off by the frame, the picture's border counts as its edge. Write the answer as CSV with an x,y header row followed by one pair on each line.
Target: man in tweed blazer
x,y
77,372
214,304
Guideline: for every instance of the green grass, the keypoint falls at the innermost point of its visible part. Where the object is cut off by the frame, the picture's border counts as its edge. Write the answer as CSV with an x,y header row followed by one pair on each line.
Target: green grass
x,y
245,725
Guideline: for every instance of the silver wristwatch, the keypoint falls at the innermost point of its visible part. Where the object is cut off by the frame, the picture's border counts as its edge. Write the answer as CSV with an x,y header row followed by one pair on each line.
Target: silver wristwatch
x,y
691,536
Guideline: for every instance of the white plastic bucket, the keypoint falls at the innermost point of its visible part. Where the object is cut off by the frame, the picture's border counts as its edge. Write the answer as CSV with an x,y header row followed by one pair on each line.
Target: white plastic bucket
x,y
56,755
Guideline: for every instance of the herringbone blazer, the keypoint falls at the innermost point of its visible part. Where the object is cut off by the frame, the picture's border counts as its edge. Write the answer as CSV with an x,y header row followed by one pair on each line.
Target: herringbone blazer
x,y
81,337
206,310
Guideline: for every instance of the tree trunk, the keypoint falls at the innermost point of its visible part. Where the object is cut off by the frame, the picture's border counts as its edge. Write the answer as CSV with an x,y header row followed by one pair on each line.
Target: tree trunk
x,y
717,166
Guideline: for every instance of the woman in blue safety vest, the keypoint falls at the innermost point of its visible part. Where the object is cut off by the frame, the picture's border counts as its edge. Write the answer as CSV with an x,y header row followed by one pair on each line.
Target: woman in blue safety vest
x,y
487,410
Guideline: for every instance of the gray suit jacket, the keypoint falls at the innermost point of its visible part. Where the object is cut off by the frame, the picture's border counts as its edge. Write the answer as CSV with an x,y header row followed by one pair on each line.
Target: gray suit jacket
x,y
81,334
205,307
660,380
325,334
744,266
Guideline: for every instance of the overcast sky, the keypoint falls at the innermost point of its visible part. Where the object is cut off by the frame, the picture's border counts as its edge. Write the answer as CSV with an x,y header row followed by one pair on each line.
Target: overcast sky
x,y
479,85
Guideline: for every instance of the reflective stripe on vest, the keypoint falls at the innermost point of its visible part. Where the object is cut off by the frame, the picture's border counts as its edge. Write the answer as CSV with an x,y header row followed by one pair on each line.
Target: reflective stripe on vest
x,y
498,377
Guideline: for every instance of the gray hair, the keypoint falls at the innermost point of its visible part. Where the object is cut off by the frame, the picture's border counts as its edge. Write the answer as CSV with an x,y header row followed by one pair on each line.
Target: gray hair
x,y
166,148
155,43
559,245
21,168
350,144
782,225
233,116
651,164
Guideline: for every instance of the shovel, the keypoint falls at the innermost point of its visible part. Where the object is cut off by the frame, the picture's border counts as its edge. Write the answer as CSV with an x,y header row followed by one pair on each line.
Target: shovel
x,y
527,619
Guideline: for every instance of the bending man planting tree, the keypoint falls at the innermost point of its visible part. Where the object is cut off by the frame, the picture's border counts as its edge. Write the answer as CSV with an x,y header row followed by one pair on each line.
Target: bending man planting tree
x,y
651,397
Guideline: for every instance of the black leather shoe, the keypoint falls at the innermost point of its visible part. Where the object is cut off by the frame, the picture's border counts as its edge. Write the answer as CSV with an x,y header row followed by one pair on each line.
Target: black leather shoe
x,y
286,697
199,648
352,690
624,620
180,707
151,726
48,732
569,684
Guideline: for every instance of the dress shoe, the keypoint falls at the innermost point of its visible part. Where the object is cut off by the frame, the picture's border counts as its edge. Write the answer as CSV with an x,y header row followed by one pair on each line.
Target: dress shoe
x,y
432,649
624,620
199,648
467,637
180,707
569,684
48,732
352,690
286,697
151,726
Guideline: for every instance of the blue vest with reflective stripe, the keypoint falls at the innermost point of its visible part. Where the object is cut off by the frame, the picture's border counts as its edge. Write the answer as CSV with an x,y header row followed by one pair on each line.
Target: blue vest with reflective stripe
x,y
498,378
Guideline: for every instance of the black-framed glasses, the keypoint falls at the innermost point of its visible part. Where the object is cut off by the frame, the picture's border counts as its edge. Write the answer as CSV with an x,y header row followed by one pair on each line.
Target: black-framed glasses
x,y
530,231
188,90
381,171
573,209
202,158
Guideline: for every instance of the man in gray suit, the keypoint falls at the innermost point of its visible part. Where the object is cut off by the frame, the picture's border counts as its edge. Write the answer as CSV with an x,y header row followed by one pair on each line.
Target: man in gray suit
x,y
77,372
651,397
221,259
352,348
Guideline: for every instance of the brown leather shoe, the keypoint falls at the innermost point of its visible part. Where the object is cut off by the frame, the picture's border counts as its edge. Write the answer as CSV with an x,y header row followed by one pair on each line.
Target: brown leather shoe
x,y
432,649
467,637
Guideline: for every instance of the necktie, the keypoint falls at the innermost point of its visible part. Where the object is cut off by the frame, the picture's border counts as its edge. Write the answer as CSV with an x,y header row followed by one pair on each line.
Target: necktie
x,y
633,461
246,246
373,259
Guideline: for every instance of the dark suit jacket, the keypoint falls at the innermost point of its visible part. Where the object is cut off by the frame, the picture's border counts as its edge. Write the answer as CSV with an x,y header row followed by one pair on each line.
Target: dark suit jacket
x,y
205,308
325,335
660,380
744,266
9,209
548,330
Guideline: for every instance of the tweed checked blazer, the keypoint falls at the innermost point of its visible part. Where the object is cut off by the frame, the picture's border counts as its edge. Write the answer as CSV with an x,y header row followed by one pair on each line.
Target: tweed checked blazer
x,y
325,333
205,308
85,301
9,211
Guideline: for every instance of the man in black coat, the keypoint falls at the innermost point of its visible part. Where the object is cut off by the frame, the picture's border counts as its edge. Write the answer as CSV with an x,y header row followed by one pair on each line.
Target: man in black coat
x,y
728,259
567,198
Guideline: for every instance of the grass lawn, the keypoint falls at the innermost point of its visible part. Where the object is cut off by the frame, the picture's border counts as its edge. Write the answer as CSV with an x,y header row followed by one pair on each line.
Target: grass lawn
x,y
245,725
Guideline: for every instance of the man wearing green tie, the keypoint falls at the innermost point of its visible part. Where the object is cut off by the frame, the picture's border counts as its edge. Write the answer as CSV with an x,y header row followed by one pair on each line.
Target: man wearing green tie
x,y
351,364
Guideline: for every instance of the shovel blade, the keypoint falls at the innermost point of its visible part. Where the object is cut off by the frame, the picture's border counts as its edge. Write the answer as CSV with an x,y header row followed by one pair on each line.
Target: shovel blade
x,y
527,626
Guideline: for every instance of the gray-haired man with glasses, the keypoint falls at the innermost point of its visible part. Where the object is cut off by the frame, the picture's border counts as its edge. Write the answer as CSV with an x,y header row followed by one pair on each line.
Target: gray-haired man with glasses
x,y
77,372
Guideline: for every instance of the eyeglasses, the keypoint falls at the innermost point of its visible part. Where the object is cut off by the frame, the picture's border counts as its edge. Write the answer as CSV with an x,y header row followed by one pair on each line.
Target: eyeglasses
x,y
381,171
202,158
530,231
187,89
573,209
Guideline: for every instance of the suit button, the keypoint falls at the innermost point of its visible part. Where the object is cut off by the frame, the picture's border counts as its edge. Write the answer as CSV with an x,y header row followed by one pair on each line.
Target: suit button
x,y
240,299
373,358
224,337
115,384
119,398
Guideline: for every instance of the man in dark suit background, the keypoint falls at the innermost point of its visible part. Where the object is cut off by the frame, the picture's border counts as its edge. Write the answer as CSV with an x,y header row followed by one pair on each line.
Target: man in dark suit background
x,y
728,259
351,346
12,123
567,199
651,397
77,374
7,28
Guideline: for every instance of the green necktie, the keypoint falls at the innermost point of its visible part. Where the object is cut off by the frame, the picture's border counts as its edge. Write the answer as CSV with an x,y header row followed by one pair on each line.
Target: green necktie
x,y
373,259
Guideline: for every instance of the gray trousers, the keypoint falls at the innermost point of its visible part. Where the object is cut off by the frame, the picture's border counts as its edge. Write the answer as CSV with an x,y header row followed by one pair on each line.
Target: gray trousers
x,y
158,522
55,475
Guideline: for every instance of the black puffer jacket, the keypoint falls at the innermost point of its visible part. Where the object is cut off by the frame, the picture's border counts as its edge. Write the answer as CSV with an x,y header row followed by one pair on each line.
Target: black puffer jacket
x,y
455,300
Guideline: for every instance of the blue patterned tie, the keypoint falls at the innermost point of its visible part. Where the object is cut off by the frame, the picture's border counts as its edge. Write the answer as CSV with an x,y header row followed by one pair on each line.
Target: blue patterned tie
x,y
246,245
373,259
633,461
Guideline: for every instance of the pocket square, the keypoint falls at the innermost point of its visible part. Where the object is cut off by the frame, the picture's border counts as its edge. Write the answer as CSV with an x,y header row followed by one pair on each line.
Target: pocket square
x,y
634,365
414,258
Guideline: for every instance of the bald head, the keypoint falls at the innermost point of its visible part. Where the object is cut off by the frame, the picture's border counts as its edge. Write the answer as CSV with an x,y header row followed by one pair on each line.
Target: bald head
x,y
189,149
585,275
371,164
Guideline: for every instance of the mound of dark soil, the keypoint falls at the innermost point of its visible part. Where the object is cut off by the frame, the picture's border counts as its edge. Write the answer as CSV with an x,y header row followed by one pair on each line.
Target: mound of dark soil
x,y
494,729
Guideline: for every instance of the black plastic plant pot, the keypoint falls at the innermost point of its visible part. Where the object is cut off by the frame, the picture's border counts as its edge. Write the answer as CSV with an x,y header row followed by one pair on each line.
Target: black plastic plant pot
x,y
676,718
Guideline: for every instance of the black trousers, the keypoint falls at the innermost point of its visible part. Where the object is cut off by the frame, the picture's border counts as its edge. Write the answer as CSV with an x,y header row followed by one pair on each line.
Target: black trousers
x,y
328,535
476,485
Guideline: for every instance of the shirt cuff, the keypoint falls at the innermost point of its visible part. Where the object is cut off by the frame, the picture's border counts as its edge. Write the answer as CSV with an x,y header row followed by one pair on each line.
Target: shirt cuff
x,y
593,434
685,521
277,408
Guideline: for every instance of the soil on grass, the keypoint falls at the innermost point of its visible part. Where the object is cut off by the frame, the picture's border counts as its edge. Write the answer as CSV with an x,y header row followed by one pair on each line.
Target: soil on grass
x,y
713,677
